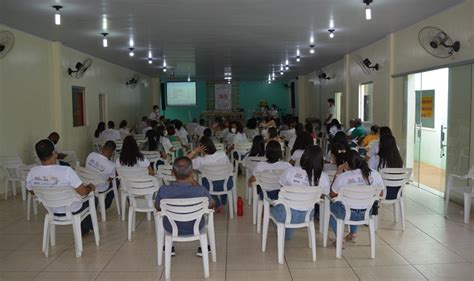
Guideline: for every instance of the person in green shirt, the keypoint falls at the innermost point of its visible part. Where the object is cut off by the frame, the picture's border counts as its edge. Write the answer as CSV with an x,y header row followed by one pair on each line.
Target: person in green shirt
x,y
359,131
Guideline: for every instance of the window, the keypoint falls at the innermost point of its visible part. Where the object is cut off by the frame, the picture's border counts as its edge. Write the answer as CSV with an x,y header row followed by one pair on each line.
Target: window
x,y
338,104
78,108
365,101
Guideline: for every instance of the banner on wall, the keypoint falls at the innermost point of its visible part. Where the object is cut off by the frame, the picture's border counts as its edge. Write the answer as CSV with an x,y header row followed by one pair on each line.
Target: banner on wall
x,y
223,94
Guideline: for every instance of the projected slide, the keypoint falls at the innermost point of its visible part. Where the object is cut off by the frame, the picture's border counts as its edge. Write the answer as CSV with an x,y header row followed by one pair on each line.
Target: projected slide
x,y
181,93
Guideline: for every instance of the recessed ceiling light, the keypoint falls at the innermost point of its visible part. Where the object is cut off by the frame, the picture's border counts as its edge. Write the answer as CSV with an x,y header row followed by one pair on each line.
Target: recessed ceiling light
x,y
189,78
105,43
131,53
57,15
298,57
287,64
331,33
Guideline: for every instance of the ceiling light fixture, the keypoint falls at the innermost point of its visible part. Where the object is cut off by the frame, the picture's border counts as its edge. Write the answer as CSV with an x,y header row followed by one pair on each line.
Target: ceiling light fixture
x,y
298,57
287,66
150,57
57,15
331,33
368,11
189,78
311,45
104,23
131,53
164,65
281,69
105,43
273,75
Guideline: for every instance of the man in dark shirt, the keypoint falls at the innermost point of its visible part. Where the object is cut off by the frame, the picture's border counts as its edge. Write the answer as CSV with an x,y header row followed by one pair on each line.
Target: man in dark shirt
x,y
185,186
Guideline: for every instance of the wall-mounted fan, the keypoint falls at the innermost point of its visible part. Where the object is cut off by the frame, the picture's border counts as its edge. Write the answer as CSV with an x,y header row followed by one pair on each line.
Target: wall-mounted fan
x,y
81,68
132,82
365,64
323,76
6,42
437,43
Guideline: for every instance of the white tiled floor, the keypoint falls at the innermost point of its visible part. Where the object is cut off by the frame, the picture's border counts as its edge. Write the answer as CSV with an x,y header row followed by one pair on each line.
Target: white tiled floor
x,y
431,248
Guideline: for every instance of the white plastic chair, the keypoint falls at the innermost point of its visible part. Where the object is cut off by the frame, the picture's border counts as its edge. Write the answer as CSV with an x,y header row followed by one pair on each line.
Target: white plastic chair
x,y
165,174
214,173
140,191
268,181
31,200
249,163
466,189
12,165
219,146
175,150
301,198
128,172
185,210
139,136
395,177
71,158
63,197
88,176
96,145
364,197
154,157
241,149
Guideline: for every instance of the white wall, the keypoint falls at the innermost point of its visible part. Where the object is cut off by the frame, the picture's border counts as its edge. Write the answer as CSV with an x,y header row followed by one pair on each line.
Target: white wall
x,y
35,95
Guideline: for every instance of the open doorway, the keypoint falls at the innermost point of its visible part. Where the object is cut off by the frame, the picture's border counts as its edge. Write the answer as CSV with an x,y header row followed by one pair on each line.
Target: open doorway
x,y
427,127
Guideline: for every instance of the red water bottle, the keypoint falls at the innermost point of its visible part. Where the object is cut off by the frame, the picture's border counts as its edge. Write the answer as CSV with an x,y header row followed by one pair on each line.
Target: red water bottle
x,y
240,206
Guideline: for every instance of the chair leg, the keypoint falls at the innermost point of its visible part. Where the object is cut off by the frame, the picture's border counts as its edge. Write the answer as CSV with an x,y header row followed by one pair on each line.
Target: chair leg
x,y
467,206
312,232
28,207
46,235
130,222
95,225
52,234
372,238
212,237
6,189
376,222
159,233
134,221
266,221
254,204
23,190
230,196
402,213
281,242
339,235
116,197
259,215
321,217
234,197
327,213
205,255
249,195
168,245
102,207
124,204
76,227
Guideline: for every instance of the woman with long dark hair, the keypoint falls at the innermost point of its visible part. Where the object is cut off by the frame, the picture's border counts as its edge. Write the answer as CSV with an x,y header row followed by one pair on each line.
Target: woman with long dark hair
x,y
354,171
309,174
130,156
302,141
99,130
258,147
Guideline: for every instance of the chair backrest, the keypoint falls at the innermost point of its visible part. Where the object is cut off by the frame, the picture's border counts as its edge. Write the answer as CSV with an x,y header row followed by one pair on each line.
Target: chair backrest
x,y
25,170
269,180
251,161
214,173
301,198
89,176
153,157
219,146
184,210
243,147
139,136
12,166
359,197
141,185
165,174
53,197
395,177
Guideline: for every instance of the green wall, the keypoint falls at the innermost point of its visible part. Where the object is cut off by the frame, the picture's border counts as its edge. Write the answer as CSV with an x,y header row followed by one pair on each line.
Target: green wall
x,y
181,112
251,93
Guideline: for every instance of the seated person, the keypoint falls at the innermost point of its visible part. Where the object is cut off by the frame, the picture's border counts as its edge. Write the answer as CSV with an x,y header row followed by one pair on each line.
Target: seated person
x,y
184,187
54,138
152,136
354,171
359,131
238,135
210,156
111,133
182,133
99,130
100,163
273,135
250,129
273,163
123,129
130,156
309,174
52,175
302,141
374,135
142,124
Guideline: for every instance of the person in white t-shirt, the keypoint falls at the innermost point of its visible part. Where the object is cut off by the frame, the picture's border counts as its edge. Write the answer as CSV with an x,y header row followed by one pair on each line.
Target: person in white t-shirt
x,y
331,111
210,156
54,138
273,163
302,141
181,133
354,171
123,129
100,163
155,114
200,129
130,156
237,130
51,175
110,133
309,174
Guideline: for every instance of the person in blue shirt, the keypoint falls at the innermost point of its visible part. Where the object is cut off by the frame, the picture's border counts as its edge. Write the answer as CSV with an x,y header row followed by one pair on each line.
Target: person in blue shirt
x,y
185,186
